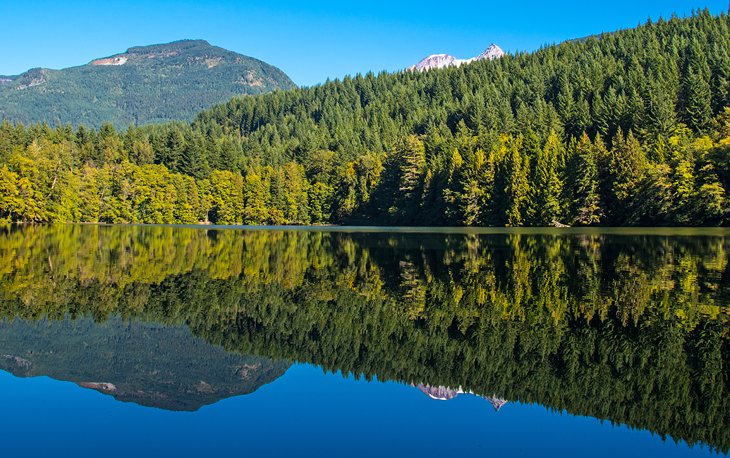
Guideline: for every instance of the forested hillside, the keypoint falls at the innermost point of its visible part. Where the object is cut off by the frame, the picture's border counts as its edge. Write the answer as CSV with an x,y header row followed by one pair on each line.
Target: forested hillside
x,y
145,84
628,128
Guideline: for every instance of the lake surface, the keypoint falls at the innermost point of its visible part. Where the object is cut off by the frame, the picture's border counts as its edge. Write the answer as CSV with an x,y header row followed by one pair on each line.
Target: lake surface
x,y
187,341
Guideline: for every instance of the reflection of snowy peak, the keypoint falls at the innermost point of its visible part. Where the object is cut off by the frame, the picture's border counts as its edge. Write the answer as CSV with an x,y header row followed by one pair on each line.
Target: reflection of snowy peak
x,y
442,393
445,60
496,402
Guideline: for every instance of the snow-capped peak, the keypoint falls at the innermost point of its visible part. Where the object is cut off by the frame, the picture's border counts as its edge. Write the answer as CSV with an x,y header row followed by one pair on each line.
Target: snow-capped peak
x,y
446,60
491,53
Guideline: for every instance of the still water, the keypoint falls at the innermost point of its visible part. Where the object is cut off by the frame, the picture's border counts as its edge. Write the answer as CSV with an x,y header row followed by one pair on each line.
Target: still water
x,y
179,341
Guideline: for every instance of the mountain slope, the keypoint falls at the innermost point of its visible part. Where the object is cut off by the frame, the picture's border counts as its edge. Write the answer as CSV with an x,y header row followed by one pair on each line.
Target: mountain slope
x,y
143,85
446,60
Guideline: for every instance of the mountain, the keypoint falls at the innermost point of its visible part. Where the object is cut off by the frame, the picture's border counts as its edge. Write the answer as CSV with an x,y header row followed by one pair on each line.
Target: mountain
x,y
147,84
445,60
148,364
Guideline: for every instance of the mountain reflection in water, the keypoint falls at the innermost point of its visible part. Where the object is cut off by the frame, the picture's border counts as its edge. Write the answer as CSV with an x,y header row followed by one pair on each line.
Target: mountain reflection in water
x,y
629,327
145,363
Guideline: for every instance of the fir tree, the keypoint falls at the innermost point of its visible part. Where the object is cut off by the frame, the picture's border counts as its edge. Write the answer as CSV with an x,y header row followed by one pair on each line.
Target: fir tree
x,y
585,201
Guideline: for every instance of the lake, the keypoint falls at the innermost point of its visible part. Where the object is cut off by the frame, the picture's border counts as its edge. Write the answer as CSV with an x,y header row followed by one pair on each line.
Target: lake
x,y
189,341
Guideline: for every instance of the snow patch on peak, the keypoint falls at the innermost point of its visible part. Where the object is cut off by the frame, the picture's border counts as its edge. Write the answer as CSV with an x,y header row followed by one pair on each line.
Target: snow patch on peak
x,y
491,53
435,61
446,60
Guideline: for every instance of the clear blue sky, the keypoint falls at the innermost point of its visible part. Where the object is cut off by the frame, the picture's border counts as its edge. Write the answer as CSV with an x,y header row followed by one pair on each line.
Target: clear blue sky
x,y
311,41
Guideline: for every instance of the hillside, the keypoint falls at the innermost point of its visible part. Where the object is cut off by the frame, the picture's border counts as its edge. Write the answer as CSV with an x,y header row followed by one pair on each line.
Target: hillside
x,y
148,84
646,80
620,129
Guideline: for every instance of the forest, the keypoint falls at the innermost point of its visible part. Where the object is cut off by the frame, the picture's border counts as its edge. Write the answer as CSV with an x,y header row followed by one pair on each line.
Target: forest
x,y
627,328
630,128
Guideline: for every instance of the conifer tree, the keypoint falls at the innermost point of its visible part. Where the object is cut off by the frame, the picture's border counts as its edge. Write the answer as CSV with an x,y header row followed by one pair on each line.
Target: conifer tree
x,y
697,101
585,202
410,157
547,188
627,168
517,188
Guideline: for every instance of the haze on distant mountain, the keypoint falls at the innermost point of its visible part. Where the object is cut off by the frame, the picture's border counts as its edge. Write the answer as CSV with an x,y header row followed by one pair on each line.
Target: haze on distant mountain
x,y
148,364
147,84
446,60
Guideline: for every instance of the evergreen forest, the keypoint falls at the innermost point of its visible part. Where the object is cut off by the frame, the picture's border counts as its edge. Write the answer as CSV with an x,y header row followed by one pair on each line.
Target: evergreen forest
x,y
630,128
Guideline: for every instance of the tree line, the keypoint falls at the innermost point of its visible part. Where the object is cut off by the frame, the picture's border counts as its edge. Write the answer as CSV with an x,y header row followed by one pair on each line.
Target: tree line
x,y
627,128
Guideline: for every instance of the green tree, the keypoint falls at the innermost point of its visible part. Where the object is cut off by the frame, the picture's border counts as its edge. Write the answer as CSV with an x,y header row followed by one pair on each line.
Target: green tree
x,y
547,186
627,168
585,202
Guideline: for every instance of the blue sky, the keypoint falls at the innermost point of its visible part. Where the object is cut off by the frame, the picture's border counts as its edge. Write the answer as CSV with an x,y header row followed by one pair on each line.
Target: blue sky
x,y
311,41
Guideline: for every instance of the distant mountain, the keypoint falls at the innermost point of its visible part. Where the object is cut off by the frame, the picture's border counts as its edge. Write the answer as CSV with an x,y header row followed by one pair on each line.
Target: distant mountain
x,y
149,364
446,60
147,84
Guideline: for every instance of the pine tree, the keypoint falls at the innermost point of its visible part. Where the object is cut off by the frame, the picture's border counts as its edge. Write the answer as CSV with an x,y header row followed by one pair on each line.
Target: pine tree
x,y
661,113
517,187
627,168
585,202
410,157
548,187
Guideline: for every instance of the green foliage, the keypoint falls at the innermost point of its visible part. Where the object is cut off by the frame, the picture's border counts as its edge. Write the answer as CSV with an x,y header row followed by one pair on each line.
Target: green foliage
x,y
547,187
627,166
584,207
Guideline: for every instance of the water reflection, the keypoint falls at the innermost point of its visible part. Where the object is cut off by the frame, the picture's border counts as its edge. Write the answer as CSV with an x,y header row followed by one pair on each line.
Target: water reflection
x,y
628,328
442,393
148,364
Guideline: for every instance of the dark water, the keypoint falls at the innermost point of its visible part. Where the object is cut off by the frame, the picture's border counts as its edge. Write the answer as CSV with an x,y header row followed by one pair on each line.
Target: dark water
x,y
161,341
